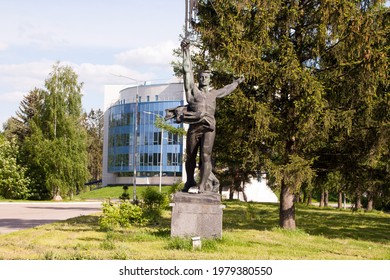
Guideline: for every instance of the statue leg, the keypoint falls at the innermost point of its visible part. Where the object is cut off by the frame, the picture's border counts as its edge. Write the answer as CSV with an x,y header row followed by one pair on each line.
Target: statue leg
x,y
206,167
190,165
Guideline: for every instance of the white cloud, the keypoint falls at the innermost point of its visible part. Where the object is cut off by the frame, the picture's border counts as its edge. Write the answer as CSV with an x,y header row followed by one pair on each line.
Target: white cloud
x,y
21,78
158,55
24,77
9,102
95,76
3,46
18,79
42,32
12,97
108,73
105,24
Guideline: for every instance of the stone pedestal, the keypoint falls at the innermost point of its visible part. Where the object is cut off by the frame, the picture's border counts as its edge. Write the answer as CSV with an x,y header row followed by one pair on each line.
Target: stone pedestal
x,y
196,215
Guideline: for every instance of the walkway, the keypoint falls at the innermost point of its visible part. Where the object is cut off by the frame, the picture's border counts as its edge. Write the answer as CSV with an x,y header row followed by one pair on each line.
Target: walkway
x,y
21,215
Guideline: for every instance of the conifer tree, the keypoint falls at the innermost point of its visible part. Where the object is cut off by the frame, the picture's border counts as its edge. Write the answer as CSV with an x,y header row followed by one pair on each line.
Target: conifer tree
x,y
18,126
284,49
356,74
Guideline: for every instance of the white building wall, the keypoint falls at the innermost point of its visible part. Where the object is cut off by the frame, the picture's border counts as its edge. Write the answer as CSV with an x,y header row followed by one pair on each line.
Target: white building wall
x,y
256,191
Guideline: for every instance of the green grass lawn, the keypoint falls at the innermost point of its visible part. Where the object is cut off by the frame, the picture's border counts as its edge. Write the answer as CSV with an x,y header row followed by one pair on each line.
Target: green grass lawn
x,y
249,232
114,192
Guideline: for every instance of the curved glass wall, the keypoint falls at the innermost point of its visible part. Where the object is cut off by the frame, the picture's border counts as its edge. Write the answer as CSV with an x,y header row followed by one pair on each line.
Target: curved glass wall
x,y
121,141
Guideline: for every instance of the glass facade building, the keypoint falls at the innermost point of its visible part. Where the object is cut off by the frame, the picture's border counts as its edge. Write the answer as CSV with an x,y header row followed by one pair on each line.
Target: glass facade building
x,y
122,151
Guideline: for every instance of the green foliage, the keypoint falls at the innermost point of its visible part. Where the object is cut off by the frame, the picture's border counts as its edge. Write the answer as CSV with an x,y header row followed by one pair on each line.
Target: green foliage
x,y
358,80
13,180
18,127
153,203
56,150
160,123
315,97
121,214
296,172
242,126
177,186
94,127
125,195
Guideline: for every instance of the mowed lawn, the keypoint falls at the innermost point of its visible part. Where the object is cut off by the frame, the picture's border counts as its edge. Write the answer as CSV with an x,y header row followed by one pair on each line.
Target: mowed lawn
x,y
250,231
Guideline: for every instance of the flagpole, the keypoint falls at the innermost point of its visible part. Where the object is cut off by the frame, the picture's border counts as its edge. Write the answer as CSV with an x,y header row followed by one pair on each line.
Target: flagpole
x,y
186,20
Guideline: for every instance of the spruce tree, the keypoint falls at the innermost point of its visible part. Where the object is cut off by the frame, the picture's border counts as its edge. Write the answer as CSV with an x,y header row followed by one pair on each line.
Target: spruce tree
x,y
285,50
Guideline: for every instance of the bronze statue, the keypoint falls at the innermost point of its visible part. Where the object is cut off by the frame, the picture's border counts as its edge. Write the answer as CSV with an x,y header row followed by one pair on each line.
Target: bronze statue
x,y
199,114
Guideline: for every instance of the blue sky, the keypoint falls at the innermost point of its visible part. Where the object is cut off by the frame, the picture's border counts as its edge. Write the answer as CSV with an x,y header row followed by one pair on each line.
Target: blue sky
x,y
132,38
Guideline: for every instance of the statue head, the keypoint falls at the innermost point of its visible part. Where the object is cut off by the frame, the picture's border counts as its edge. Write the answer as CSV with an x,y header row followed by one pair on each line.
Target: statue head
x,y
204,78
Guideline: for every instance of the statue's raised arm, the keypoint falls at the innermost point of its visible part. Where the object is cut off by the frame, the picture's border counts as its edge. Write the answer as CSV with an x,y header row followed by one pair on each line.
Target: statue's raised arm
x,y
188,74
228,89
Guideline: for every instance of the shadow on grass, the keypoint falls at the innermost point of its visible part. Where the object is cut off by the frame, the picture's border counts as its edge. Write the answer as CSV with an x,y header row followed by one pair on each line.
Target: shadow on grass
x,y
78,224
240,215
345,224
330,223
84,220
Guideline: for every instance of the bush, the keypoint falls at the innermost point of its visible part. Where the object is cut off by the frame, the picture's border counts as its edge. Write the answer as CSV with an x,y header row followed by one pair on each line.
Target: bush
x,y
122,214
125,195
153,203
13,179
178,186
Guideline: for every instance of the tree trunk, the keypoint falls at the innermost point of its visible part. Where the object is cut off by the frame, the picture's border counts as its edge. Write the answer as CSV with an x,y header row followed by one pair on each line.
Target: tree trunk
x,y
340,201
358,202
231,192
370,203
322,200
244,194
326,198
287,208
305,197
309,199
344,200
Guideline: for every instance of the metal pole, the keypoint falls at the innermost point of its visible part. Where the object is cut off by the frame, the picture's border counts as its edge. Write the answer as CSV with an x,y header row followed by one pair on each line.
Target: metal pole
x,y
134,139
161,156
175,160
135,149
186,20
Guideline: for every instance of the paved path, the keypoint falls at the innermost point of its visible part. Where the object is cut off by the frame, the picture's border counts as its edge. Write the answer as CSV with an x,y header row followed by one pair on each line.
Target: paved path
x,y
16,216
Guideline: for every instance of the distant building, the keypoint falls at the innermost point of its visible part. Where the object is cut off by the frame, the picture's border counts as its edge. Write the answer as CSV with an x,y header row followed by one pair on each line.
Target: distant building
x,y
120,148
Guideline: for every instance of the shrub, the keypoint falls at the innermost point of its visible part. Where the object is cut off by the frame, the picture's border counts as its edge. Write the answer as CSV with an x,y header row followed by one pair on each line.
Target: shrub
x,y
125,195
153,203
178,186
13,179
121,214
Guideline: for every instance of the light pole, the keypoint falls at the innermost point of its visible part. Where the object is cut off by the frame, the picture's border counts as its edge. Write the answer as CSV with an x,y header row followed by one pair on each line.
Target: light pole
x,y
135,155
161,147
